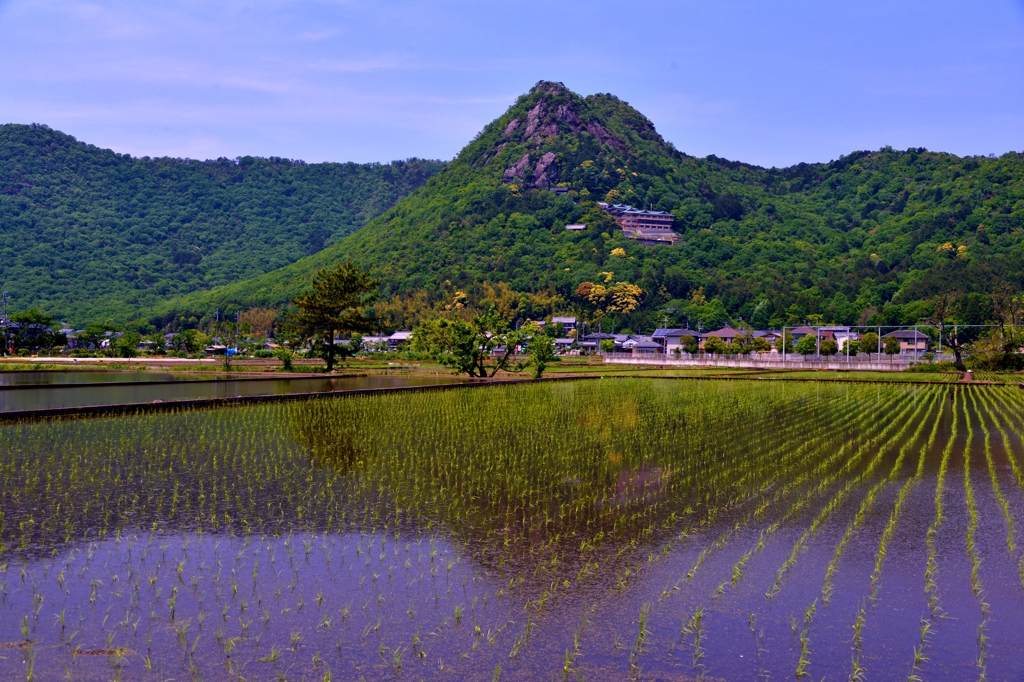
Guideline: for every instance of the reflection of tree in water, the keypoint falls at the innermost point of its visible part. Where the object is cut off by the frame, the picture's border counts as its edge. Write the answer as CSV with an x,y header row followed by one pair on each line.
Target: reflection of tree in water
x,y
519,474
525,474
333,442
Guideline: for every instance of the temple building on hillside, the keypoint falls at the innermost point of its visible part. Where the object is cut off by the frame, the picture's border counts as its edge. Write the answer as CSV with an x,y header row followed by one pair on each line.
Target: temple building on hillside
x,y
647,227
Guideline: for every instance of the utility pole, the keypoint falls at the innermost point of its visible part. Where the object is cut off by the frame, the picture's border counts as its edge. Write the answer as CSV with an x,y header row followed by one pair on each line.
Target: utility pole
x,y
3,320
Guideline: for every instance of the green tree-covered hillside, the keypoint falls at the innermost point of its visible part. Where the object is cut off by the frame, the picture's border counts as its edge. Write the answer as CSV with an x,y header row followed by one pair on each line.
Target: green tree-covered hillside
x,y
86,233
861,237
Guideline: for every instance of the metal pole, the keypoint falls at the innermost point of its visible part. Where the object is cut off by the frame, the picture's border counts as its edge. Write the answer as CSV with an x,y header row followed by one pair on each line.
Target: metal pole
x,y
784,345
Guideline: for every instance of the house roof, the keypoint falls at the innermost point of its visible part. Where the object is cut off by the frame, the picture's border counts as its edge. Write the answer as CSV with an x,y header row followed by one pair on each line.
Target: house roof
x,y
646,344
620,209
401,336
674,333
563,320
908,334
725,332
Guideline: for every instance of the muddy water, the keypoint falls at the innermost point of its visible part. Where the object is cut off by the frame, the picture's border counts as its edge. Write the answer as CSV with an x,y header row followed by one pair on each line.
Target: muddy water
x,y
304,589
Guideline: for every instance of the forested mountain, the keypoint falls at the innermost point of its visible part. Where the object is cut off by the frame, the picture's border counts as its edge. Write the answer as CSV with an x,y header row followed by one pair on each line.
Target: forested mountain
x,y
863,237
87,234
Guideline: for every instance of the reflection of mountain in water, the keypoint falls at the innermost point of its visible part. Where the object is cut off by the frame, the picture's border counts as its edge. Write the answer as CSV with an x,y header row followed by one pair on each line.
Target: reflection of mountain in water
x,y
332,443
521,474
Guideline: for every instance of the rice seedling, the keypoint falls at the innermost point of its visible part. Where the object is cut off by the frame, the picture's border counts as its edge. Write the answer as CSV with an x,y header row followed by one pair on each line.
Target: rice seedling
x,y
451,521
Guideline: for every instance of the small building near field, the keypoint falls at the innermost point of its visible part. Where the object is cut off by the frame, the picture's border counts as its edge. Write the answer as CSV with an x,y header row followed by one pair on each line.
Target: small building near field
x,y
912,342
727,334
644,348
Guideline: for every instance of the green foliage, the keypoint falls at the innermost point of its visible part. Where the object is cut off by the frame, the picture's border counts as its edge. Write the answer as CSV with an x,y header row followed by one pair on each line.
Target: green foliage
x,y
734,348
542,353
872,236
607,345
286,357
32,316
829,347
88,233
869,342
861,234
715,345
335,303
189,341
807,345
891,346
127,346
467,346
784,343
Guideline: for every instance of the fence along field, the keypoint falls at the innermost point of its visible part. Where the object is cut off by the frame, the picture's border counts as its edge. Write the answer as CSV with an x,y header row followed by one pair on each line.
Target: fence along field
x,y
603,530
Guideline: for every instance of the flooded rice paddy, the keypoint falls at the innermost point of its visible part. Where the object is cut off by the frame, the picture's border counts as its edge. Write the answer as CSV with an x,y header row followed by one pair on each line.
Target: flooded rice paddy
x,y
599,530
119,391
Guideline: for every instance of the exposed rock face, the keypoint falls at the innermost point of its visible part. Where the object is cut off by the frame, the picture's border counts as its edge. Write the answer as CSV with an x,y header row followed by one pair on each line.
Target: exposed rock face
x,y
550,116
545,173
517,170
598,131
532,119
565,113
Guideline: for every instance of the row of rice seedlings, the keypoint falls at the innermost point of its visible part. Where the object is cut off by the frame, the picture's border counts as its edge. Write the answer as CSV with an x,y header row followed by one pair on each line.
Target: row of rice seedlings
x,y
985,411
932,566
972,514
817,474
796,458
868,501
863,424
856,669
851,484
631,571
798,453
919,415
972,548
999,414
624,583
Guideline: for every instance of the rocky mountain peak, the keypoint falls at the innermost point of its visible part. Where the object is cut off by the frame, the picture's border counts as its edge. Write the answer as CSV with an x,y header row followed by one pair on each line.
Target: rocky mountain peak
x,y
536,129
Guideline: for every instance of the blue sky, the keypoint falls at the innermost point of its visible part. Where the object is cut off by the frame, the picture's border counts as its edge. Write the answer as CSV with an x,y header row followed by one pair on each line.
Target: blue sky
x,y
772,83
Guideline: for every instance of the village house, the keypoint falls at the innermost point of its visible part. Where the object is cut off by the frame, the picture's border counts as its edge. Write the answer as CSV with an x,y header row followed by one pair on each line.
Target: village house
x,y
398,340
912,342
769,335
671,340
568,323
727,334
642,348
841,335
